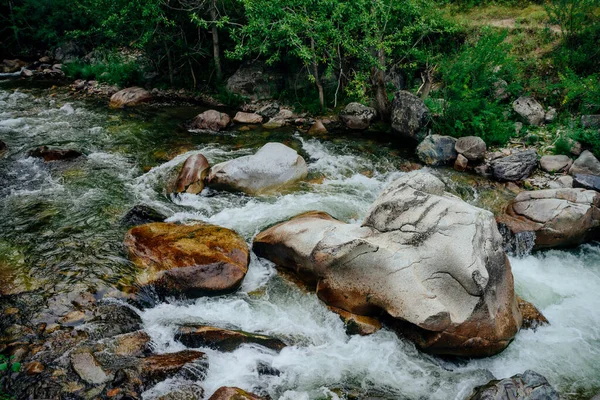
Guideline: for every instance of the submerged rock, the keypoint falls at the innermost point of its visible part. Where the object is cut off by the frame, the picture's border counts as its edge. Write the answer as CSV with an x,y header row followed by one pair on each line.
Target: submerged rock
x,y
529,110
193,174
527,386
130,97
211,120
233,393
357,116
471,147
410,115
162,366
516,167
223,339
142,214
188,260
558,163
558,217
48,154
586,164
437,150
430,261
3,147
273,167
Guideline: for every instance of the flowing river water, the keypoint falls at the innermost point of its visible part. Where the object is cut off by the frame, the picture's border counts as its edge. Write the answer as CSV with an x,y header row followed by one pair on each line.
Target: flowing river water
x,y
60,228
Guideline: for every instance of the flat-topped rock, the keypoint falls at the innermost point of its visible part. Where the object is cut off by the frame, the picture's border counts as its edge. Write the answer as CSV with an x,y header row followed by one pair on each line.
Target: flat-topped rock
x,y
130,97
188,260
558,163
223,339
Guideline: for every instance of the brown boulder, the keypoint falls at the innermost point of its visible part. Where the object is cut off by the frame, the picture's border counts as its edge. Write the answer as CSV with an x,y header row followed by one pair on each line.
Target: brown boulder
x,y
130,97
233,393
189,260
10,66
247,118
54,154
317,128
193,174
223,339
558,217
160,367
461,163
211,120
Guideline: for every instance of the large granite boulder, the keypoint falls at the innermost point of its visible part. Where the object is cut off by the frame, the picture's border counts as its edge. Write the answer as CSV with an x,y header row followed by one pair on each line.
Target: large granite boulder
x,y
429,261
558,217
586,164
558,163
516,167
529,110
273,167
410,115
527,386
193,174
211,120
437,150
357,116
188,260
130,97
471,147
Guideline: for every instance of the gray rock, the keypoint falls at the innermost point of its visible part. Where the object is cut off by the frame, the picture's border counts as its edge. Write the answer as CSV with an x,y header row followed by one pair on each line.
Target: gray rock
x,y
586,164
550,115
357,116
256,81
591,182
410,115
68,52
590,121
88,368
269,111
529,110
515,167
558,163
472,147
273,167
142,214
437,150
558,217
527,386
425,257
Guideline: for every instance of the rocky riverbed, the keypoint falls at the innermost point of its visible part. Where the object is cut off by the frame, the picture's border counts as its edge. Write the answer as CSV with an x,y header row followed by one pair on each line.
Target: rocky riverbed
x,y
121,279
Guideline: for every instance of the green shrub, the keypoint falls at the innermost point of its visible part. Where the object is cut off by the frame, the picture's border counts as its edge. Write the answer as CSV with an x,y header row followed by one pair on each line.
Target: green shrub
x,y
589,138
471,78
112,68
230,99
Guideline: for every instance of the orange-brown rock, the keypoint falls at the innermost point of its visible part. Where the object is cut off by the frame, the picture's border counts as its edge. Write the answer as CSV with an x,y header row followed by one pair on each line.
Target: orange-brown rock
x,y
317,128
532,317
223,339
558,217
130,97
162,366
188,260
233,393
247,118
193,175
211,120
357,324
34,368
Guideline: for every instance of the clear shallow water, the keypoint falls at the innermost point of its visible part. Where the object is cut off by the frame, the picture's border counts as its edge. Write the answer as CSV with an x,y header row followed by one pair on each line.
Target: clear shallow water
x,y
59,222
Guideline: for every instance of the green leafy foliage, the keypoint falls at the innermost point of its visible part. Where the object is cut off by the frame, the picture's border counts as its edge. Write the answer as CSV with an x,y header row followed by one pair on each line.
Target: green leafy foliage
x,y
472,76
112,68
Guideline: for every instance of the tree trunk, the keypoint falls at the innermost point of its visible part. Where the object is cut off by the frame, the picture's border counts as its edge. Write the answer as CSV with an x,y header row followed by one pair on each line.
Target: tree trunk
x,y
382,102
170,62
315,66
216,45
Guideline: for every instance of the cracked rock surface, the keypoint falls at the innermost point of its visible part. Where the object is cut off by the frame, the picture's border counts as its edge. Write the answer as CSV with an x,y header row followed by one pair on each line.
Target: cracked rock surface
x,y
422,258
